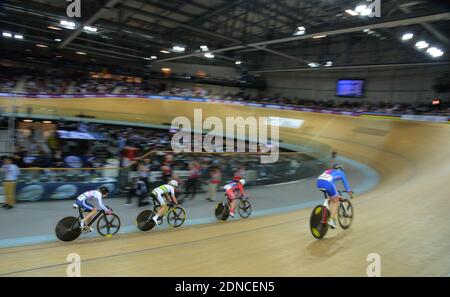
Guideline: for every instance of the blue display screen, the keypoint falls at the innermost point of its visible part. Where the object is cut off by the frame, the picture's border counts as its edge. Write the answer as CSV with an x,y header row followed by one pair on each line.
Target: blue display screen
x,y
350,88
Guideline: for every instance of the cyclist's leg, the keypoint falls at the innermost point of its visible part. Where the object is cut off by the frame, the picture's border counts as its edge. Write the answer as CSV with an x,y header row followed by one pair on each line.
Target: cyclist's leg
x,y
162,203
332,194
232,200
89,207
334,200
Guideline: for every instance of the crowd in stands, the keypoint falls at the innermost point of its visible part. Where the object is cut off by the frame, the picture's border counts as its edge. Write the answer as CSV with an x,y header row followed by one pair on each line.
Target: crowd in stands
x,y
140,152
56,83
38,147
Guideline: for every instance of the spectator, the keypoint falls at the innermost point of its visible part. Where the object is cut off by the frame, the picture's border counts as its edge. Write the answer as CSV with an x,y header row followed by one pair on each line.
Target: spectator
x,y
215,180
240,173
20,154
58,161
144,172
333,157
140,190
192,182
11,173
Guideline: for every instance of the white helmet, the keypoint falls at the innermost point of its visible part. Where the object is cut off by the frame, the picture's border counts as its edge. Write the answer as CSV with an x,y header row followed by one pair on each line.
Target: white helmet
x,y
173,183
242,181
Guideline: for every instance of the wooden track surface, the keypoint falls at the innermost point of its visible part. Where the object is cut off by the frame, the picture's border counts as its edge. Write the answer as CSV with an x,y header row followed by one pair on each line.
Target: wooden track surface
x,y
404,219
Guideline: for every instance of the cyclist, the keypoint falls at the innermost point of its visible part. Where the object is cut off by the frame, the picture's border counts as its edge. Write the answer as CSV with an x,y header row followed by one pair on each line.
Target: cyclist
x,y
230,190
168,191
82,202
327,182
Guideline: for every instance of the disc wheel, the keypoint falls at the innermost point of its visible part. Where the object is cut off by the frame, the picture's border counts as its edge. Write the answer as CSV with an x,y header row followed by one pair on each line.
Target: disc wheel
x,y
222,211
345,214
108,224
318,222
144,220
68,229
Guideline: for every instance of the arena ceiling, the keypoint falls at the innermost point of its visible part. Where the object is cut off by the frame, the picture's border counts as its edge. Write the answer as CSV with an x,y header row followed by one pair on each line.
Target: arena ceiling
x,y
139,32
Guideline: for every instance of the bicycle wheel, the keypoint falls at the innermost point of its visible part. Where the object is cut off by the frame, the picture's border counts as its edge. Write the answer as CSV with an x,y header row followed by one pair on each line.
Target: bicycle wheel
x,y
245,208
68,229
345,214
176,216
108,225
144,220
318,222
222,211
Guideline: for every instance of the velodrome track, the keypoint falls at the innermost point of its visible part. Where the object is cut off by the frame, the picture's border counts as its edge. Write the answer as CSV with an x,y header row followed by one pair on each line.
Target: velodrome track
x,y
404,218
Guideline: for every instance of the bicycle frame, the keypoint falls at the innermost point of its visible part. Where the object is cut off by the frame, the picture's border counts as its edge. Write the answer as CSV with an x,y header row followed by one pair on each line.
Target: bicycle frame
x,y
327,205
168,204
169,207
97,215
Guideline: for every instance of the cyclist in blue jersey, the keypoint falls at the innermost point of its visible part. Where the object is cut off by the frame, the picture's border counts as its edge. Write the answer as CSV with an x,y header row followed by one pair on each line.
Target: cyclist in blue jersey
x,y
327,181
82,201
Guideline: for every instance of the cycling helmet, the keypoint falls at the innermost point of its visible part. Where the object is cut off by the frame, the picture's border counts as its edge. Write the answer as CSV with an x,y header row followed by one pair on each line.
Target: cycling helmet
x,y
173,183
104,190
242,182
338,166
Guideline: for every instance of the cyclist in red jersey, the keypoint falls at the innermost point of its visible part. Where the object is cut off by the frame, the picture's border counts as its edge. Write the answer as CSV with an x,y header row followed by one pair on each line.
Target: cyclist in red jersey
x,y
231,189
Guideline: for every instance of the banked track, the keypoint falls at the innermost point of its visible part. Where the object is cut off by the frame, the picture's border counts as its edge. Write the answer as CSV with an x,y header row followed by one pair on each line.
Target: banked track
x,y
404,218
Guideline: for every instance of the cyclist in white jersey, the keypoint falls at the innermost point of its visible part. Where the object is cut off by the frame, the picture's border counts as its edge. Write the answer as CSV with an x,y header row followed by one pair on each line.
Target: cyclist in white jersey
x,y
82,202
168,191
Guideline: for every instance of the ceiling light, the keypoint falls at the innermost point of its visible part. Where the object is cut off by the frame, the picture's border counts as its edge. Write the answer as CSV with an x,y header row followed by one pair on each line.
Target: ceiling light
x,y
148,59
54,28
153,57
319,36
328,64
407,36
366,12
204,48
7,34
351,12
47,122
18,36
28,121
209,55
165,51
41,45
435,52
81,53
360,8
313,65
238,62
166,69
366,30
422,44
67,24
57,39
178,49
300,31
90,29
